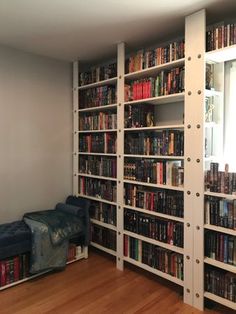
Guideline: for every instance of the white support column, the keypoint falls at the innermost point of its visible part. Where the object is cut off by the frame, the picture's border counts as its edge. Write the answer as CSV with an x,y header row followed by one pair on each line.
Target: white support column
x,y
194,162
120,151
75,127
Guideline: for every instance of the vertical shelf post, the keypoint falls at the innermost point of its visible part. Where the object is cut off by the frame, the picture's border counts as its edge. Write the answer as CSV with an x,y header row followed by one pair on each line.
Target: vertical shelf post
x,y
75,126
120,151
194,159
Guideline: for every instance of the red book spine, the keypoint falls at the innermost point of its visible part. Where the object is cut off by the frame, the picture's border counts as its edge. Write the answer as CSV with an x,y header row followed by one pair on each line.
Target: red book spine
x,y
16,268
2,273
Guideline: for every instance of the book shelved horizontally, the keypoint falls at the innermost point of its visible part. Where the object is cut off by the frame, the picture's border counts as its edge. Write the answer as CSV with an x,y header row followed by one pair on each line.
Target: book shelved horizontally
x,y
95,164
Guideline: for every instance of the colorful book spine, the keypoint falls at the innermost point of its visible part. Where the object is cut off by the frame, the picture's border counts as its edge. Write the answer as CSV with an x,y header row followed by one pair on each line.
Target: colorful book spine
x,y
154,256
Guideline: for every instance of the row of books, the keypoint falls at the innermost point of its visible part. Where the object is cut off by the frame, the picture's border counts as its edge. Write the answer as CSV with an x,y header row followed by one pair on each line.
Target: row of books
x,y
165,83
98,143
103,212
13,269
98,166
141,115
103,236
161,201
220,181
221,247
98,188
220,212
154,256
165,143
98,121
74,251
98,96
143,59
220,36
167,172
97,74
221,283
152,227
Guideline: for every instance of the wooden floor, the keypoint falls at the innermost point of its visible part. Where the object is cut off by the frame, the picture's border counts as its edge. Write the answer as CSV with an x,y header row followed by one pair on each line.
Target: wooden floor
x,y
96,286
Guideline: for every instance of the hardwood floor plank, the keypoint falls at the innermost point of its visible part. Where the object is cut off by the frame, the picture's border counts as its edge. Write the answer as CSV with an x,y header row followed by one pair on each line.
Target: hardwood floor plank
x,y
96,286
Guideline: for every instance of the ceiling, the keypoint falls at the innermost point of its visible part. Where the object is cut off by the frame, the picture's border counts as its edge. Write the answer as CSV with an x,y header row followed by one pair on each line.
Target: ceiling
x,y
90,29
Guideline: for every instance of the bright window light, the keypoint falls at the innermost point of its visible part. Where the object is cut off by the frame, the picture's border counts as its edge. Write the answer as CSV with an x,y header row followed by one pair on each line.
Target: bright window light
x,y
230,116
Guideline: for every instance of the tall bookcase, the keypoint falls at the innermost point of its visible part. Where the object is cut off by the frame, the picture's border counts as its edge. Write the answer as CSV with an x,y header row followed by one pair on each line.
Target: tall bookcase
x,y
176,233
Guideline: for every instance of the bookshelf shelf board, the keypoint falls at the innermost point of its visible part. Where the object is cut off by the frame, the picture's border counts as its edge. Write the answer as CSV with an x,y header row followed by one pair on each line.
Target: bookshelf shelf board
x,y
154,156
221,55
96,154
221,265
82,255
154,185
150,212
153,128
154,271
99,108
220,229
222,195
111,81
103,224
102,248
97,199
220,300
96,177
167,99
154,70
155,242
210,124
210,93
98,131
23,280
210,158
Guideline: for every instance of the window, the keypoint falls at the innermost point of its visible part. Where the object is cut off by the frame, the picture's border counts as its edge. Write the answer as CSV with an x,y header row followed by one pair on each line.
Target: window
x,y
230,115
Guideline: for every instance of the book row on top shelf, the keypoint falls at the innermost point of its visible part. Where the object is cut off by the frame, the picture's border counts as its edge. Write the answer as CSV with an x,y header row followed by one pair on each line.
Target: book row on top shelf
x,y
220,35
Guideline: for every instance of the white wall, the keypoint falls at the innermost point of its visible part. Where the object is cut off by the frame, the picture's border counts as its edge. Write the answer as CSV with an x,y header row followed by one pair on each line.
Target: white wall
x,y
35,133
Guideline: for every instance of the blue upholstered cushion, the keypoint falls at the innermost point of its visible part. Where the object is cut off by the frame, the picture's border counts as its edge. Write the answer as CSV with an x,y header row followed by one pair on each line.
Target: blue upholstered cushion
x,y
15,238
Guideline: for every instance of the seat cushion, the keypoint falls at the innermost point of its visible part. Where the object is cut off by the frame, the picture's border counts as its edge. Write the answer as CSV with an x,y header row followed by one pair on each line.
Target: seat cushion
x,y
15,238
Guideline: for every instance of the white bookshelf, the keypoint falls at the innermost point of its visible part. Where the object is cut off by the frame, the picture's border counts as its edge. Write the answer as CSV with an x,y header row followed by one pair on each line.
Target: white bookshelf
x,y
79,115
217,58
169,110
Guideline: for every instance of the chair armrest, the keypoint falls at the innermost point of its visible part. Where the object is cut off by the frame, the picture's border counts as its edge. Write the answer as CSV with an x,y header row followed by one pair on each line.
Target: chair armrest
x,y
70,209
